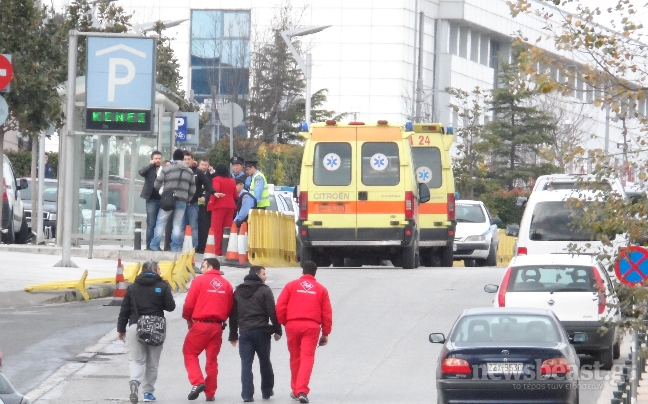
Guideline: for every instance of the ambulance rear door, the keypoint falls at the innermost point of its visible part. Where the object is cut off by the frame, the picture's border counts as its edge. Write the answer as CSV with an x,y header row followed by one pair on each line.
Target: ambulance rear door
x,y
332,196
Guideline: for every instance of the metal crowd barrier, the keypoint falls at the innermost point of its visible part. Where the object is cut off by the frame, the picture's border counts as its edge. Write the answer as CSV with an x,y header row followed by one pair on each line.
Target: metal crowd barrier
x,y
271,239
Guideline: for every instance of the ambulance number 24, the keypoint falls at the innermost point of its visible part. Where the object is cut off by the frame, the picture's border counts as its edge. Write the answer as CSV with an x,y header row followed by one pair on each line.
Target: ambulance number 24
x,y
424,140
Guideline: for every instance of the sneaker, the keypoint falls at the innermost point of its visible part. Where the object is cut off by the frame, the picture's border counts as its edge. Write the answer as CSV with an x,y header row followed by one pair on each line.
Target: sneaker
x,y
303,398
267,396
248,400
134,386
211,398
149,397
293,396
195,391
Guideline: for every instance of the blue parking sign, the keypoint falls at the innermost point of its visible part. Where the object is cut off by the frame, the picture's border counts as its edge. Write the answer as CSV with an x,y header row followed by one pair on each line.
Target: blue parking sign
x,y
181,128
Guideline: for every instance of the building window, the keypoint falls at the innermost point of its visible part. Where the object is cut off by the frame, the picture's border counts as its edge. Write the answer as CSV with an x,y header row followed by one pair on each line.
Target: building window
x,y
453,39
220,53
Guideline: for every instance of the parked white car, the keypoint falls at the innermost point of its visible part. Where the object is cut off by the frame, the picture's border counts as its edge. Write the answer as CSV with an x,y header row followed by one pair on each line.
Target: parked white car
x,y
13,224
555,182
476,237
549,225
578,290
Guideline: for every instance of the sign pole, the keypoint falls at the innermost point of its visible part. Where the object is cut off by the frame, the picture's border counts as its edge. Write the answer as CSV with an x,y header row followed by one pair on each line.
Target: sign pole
x,y
68,197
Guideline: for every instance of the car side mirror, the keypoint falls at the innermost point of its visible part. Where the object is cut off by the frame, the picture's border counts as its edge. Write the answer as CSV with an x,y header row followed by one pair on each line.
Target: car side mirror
x,y
424,193
578,338
521,200
512,230
23,184
437,338
491,288
496,220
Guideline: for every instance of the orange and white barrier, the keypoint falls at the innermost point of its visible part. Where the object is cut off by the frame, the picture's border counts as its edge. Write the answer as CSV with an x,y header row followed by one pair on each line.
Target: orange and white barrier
x,y
210,247
232,246
120,286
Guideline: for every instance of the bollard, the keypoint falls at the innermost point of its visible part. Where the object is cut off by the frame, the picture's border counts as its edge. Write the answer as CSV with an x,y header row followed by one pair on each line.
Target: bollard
x,y
617,394
616,401
137,243
226,237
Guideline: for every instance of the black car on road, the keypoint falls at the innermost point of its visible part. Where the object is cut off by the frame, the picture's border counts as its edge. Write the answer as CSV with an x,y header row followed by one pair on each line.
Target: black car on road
x,y
507,355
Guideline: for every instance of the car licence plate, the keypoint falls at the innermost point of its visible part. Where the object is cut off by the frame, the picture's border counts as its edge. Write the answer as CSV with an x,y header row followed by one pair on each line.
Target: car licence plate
x,y
454,247
506,368
331,209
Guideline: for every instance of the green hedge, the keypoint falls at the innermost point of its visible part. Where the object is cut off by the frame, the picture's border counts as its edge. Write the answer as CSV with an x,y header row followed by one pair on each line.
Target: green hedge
x,y
503,204
21,162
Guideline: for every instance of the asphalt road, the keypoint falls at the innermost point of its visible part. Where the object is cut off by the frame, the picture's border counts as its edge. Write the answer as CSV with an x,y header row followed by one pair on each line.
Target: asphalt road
x,y
35,341
378,349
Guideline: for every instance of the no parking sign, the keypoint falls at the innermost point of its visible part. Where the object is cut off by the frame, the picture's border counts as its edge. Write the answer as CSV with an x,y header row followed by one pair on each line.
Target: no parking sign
x,y
632,266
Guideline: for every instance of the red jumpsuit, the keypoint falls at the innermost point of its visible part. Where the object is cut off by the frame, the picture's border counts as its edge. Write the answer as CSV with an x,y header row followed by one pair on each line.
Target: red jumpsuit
x,y
304,308
208,304
222,209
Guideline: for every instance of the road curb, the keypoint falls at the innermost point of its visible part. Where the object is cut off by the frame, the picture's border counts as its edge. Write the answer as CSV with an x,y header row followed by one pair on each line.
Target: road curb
x,y
98,253
15,299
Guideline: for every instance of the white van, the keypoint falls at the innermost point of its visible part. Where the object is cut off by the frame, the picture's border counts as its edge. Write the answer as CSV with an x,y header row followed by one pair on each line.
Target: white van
x,y
555,182
548,225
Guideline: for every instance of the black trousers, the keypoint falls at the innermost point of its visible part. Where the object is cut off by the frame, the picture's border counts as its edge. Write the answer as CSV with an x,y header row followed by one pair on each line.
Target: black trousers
x,y
251,342
204,222
167,234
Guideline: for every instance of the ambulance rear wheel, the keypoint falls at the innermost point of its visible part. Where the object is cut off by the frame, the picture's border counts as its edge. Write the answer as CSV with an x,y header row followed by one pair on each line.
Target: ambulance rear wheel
x,y
447,256
408,257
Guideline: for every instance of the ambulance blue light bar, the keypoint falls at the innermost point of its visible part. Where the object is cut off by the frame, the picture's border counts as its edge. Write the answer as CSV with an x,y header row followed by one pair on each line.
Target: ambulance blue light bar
x,y
409,126
303,127
449,130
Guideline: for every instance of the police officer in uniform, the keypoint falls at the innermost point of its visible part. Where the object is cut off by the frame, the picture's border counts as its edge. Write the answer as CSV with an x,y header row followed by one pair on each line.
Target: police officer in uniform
x,y
237,168
258,185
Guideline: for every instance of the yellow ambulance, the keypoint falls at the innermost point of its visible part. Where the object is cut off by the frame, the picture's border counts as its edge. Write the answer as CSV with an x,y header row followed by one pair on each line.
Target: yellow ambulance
x,y
358,196
431,144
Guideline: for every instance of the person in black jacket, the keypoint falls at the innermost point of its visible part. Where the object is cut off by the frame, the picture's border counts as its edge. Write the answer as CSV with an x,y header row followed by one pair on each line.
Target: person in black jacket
x,y
204,189
150,194
148,295
254,304
204,216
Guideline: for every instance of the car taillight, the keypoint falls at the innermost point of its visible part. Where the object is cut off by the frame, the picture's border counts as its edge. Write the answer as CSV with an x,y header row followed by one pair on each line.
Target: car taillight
x,y
409,205
555,366
451,206
4,190
522,251
501,294
600,286
303,205
455,366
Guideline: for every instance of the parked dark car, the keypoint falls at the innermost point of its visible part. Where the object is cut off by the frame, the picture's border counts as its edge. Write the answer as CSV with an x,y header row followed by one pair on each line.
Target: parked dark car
x,y
497,355
8,393
50,194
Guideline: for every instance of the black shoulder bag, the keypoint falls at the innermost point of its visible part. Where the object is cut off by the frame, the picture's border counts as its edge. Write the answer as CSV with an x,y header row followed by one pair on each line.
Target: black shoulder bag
x,y
151,330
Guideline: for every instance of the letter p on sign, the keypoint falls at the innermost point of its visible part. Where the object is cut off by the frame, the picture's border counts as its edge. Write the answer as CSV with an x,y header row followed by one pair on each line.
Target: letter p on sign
x,y
113,80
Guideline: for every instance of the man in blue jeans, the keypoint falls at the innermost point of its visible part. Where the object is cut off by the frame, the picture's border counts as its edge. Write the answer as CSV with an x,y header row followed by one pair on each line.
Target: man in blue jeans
x,y
204,189
150,194
179,179
254,305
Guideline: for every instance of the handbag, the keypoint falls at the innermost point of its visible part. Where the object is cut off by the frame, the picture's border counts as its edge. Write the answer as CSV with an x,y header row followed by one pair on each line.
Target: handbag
x,y
168,197
151,329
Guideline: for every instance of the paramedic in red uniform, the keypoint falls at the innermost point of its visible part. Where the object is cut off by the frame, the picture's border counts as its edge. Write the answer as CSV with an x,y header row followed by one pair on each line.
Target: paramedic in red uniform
x,y
207,306
304,308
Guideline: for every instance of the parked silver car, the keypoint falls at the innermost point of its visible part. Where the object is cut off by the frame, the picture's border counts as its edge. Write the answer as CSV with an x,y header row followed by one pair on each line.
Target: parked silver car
x,y
14,223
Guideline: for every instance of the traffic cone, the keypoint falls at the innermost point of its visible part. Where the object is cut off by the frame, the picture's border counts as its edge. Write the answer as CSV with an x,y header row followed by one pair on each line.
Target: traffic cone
x,y
232,246
243,244
187,245
210,248
120,286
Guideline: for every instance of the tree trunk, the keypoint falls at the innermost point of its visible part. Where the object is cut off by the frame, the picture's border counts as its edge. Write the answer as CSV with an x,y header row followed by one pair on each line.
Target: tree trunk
x,y
34,184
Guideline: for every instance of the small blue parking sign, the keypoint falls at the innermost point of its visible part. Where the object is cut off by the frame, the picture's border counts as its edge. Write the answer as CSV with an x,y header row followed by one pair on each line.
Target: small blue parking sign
x,y
181,128
631,267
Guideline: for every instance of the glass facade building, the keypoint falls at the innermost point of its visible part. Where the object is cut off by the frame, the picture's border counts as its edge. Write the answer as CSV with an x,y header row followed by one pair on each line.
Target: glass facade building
x,y
220,53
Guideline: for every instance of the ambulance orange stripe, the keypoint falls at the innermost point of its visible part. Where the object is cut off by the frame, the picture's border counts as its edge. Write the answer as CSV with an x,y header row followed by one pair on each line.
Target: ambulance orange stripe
x,y
361,207
333,134
433,208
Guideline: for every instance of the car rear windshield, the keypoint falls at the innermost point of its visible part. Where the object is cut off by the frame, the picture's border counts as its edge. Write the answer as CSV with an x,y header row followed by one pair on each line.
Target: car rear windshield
x,y
506,328
469,213
49,193
429,157
552,278
332,164
380,164
554,221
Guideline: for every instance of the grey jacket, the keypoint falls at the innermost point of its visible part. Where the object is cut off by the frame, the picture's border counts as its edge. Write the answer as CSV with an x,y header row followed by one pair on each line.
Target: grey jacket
x,y
179,178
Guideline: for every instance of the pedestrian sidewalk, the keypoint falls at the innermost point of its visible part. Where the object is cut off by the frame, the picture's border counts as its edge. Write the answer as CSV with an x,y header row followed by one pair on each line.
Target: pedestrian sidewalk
x,y
20,270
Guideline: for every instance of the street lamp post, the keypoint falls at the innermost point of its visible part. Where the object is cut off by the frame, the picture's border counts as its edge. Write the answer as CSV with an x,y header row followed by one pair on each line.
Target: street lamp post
x,y
287,35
